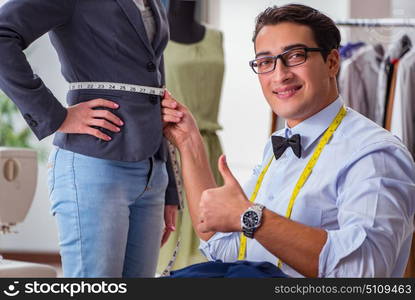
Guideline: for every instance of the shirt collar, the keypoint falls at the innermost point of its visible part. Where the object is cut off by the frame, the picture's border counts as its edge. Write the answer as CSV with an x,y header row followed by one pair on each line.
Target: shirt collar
x,y
311,128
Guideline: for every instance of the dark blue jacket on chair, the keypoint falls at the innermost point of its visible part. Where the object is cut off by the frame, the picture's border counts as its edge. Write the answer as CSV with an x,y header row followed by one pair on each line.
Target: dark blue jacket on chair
x,y
96,40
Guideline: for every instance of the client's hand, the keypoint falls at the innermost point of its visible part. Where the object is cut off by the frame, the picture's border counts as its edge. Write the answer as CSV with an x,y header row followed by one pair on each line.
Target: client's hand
x,y
82,116
170,212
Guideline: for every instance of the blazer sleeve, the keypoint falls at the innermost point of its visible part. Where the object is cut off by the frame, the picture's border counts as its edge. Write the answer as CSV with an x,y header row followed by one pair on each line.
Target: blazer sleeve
x,y
172,191
21,23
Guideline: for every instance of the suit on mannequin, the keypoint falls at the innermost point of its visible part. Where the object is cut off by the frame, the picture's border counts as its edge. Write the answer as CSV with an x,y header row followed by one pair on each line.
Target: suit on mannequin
x,y
184,28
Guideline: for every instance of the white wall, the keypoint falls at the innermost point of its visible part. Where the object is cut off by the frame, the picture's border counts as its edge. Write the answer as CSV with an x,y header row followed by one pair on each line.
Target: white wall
x,y
385,36
403,9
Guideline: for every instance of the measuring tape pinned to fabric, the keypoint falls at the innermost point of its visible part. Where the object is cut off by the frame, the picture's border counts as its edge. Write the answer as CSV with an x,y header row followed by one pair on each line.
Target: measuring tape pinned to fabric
x,y
301,181
117,87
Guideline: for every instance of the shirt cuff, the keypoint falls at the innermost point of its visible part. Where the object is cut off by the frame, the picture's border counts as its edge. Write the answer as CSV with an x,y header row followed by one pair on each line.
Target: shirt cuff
x,y
339,244
206,246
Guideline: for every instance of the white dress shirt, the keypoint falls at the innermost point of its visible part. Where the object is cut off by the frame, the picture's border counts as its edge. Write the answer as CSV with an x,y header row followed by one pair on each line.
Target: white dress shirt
x,y
148,18
403,111
393,52
361,191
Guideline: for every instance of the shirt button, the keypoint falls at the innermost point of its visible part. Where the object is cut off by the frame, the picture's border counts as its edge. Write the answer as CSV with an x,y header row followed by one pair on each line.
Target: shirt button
x,y
153,99
151,67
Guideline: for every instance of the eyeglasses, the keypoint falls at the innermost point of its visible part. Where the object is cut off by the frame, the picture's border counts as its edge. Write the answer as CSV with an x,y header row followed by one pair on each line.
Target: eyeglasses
x,y
289,58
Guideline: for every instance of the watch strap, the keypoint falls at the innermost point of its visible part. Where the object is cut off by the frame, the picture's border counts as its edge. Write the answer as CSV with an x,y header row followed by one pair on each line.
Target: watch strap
x,y
248,231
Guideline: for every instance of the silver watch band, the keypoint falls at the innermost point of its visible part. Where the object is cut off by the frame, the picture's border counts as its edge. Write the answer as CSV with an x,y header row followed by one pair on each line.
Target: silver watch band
x,y
249,231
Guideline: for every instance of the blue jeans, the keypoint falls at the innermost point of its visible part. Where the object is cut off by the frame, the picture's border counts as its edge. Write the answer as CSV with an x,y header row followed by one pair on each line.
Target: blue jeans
x,y
109,214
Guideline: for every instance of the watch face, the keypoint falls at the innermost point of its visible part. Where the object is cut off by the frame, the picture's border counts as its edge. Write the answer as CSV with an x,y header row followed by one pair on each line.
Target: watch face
x,y
250,219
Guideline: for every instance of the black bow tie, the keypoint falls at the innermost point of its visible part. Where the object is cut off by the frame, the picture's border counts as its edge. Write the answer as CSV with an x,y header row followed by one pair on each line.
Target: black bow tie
x,y
280,144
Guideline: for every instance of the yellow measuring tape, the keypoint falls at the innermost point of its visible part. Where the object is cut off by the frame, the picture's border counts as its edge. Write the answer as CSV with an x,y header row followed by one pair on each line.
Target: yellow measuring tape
x,y
303,178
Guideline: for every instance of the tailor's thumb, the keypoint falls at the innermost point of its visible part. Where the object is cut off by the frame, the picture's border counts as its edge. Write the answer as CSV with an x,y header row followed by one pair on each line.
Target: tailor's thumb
x,y
224,170
167,95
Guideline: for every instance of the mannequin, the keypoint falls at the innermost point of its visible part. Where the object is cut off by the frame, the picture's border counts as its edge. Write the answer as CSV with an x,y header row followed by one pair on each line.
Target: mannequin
x,y
183,26
194,67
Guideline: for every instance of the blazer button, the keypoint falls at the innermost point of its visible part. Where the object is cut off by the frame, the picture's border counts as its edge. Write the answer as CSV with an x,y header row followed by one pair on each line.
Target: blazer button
x,y
27,117
32,123
151,67
153,99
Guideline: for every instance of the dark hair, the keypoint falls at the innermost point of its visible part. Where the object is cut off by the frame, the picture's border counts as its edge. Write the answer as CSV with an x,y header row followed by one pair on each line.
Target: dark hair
x,y
326,34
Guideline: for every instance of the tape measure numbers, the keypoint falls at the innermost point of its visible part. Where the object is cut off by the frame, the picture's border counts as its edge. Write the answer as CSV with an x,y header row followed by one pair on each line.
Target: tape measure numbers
x,y
116,86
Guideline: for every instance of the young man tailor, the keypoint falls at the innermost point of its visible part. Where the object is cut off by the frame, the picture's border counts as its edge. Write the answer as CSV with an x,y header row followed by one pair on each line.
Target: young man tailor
x,y
338,190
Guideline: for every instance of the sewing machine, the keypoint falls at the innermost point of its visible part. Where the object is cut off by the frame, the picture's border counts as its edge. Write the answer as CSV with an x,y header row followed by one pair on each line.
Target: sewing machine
x,y
18,178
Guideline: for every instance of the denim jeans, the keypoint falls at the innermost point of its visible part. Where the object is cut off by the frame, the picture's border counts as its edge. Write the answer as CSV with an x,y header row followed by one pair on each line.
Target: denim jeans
x,y
109,214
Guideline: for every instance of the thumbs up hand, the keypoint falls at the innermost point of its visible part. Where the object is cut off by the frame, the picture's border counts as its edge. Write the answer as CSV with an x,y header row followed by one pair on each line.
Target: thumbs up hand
x,y
221,208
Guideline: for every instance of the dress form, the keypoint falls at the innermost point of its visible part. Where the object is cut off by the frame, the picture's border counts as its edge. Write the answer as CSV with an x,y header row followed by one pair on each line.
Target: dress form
x,y
194,68
183,26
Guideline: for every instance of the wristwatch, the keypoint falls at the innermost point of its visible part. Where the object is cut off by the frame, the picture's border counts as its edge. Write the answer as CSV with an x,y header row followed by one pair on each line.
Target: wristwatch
x,y
251,219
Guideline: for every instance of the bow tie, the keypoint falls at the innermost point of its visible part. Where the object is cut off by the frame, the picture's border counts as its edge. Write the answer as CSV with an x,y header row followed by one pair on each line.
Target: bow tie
x,y
280,144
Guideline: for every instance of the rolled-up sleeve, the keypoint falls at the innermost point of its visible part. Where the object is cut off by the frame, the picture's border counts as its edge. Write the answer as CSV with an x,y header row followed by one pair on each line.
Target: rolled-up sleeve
x,y
223,246
376,211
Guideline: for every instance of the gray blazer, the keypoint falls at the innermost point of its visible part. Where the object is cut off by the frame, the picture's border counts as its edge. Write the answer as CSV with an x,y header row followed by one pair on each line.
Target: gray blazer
x,y
96,40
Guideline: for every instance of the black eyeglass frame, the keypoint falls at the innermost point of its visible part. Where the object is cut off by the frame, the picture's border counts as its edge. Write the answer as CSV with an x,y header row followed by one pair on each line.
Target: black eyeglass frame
x,y
276,57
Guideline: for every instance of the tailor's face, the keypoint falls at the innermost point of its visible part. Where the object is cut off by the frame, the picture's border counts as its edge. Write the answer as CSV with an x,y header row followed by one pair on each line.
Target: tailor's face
x,y
296,93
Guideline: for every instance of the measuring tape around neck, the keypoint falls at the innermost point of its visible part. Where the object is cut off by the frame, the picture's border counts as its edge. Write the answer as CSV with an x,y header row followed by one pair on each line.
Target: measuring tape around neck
x,y
116,86
301,181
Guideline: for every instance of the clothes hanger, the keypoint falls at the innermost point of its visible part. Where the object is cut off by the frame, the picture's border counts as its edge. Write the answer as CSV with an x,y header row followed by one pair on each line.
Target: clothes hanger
x,y
406,45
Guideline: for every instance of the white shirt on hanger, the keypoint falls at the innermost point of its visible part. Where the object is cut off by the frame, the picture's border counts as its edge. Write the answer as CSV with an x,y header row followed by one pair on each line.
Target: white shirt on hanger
x,y
394,51
403,114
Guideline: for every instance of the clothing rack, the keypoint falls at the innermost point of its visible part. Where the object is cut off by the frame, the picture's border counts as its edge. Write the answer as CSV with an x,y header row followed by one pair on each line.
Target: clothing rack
x,y
386,22
383,22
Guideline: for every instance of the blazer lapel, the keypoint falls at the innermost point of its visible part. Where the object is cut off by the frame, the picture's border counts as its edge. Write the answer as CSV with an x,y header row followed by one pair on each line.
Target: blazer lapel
x,y
134,16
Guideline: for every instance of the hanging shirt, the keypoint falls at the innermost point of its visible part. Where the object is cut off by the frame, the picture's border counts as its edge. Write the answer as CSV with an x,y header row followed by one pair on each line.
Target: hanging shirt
x,y
395,51
403,112
349,49
361,191
148,18
358,80
390,101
